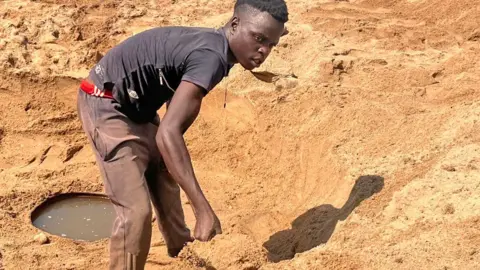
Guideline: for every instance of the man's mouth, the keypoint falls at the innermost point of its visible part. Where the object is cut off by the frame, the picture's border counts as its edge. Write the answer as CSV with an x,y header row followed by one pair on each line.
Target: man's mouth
x,y
257,62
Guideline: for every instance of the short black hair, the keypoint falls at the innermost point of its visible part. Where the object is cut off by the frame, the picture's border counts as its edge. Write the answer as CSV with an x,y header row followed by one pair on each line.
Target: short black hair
x,y
276,8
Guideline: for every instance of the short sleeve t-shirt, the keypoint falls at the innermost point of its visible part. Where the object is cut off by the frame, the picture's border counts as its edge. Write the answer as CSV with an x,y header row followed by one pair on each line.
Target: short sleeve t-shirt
x,y
145,70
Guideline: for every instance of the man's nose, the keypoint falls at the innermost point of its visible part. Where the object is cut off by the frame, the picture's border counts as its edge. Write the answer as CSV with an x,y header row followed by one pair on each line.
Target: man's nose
x,y
264,51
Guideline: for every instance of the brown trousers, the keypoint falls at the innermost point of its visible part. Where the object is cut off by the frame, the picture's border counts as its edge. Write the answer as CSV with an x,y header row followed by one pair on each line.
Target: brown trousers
x,y
134,174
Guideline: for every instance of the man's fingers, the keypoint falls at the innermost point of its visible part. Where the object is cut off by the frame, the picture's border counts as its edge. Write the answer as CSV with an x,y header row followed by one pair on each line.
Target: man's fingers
x,y
206,238
203,238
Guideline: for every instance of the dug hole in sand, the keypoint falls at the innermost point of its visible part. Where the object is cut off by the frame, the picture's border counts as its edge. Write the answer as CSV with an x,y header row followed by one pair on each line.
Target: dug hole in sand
x,y
362,153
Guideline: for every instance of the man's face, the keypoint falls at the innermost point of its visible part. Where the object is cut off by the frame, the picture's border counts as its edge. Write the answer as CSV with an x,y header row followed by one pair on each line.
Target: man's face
x,y
253,38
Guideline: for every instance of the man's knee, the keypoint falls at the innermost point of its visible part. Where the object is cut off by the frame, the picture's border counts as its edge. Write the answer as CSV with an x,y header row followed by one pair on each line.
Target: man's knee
x,y
140,215
143,213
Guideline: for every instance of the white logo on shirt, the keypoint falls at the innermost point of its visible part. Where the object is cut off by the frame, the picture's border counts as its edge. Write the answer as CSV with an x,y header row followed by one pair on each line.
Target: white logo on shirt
x,y
99,70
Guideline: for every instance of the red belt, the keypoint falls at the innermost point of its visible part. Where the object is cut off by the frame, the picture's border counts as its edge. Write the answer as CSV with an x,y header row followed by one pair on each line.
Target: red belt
x,y
91,89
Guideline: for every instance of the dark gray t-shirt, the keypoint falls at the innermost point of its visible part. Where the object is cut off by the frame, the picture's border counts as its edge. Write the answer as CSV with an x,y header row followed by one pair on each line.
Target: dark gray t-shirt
x,y
144,70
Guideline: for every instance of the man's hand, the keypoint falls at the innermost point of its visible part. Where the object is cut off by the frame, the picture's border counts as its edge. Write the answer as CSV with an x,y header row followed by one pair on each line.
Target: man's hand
x,y
182,111
207,227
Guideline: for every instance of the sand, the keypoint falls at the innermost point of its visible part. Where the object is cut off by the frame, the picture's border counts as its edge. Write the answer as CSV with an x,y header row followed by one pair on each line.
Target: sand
x,y
361,154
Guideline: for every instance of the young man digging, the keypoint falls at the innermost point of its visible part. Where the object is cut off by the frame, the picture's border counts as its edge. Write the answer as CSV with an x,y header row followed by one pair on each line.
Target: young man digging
x,y
141,159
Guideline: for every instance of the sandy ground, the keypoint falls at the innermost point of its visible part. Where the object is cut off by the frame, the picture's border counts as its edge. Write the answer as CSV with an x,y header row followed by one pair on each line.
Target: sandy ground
x,y
363,154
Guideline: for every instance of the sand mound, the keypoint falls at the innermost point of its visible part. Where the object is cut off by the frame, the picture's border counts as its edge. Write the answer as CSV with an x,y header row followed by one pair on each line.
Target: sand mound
x,y
232,251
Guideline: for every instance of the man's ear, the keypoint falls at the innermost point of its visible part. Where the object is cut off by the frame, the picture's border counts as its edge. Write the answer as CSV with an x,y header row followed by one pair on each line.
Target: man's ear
x,y
285,31
234,22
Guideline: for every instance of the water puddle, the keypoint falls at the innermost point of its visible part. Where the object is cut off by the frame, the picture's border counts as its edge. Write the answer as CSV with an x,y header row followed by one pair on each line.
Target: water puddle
x,y
85,217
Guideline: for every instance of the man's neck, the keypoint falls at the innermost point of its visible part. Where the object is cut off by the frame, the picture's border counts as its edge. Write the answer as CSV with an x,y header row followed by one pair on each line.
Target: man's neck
x,y
230,57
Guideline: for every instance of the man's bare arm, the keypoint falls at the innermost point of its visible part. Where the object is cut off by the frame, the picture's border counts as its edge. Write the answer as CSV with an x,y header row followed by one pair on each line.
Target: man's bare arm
x,y
182,112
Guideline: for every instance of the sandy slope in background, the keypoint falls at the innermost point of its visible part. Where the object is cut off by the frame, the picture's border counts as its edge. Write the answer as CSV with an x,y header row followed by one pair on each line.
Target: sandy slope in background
x,y
368,159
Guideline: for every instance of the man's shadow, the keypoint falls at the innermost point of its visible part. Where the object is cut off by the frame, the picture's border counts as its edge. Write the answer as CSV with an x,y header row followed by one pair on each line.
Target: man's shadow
x,y
316,226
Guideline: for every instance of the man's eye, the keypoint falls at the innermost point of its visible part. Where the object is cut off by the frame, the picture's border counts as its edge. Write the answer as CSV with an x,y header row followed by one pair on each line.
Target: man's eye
x,y
258,38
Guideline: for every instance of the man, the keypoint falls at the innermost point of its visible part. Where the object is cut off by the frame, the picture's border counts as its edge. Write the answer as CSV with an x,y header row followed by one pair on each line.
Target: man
x,y
142,160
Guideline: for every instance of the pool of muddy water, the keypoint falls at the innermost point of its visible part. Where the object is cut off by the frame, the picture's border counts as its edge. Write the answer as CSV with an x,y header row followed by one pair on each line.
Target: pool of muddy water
x,y
79,217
